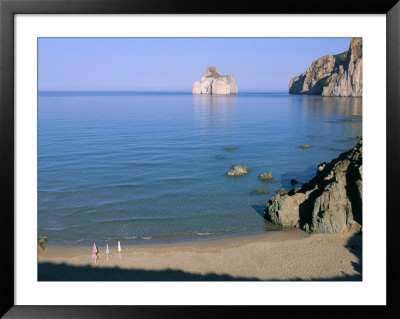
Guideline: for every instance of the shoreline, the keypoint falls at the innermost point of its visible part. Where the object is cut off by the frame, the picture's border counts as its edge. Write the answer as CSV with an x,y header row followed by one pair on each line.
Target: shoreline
x,y
174,239
290,254
202,242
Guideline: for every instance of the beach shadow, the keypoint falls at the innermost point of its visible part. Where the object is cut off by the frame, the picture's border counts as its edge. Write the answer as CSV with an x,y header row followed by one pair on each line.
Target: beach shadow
x,y
354,245
63,272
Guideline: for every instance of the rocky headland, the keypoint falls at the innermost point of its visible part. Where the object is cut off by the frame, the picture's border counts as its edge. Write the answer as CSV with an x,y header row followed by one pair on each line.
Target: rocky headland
x,y
332,75
213,82
331,202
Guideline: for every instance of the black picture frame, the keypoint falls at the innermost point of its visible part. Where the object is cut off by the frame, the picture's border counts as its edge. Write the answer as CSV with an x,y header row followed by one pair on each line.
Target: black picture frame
x,y
8,8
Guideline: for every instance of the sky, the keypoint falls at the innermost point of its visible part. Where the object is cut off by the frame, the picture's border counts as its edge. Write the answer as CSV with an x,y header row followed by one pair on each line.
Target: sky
x,y
174,64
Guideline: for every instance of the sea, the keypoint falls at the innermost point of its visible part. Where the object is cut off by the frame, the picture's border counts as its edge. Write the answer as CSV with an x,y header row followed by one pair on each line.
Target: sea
x,y
151,167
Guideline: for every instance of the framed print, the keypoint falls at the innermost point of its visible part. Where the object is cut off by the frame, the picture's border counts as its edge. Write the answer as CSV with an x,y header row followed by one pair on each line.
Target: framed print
x,y
161,153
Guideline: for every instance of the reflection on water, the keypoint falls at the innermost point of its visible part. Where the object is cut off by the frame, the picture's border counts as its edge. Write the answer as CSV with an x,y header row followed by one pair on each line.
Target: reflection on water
x,y
339,117
277,121
329,106
211,101
214,109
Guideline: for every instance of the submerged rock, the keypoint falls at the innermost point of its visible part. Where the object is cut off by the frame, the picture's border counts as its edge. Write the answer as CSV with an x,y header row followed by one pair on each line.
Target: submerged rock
x,y
238,170
332,75
266,176
305,146
262,191
331,202
213,82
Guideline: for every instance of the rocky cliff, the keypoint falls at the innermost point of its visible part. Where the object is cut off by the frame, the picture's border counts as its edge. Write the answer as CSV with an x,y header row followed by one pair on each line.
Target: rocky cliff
x,y
333,75
329,203
214,83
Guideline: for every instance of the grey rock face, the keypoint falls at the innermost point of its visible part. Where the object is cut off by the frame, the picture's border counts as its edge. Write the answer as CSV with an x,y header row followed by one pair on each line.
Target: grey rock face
x,y
332,75
214,83
329,203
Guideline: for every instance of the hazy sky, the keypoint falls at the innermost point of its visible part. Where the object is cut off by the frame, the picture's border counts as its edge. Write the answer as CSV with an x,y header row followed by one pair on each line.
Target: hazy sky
x,y
153,64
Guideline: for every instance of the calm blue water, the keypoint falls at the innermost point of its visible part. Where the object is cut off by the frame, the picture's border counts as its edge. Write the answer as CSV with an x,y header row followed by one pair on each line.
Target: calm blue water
x,y
151,167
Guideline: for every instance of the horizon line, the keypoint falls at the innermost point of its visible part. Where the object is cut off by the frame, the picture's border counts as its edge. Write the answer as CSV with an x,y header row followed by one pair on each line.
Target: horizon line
x,y
151,91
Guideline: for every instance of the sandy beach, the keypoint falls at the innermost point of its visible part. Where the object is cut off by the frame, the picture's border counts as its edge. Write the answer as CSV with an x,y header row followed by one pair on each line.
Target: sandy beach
x,y
282,255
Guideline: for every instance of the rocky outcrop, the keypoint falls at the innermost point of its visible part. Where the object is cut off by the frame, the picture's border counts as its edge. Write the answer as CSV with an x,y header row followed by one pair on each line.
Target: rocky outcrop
x,y
238,170
329,203
267,176
332,75
214,83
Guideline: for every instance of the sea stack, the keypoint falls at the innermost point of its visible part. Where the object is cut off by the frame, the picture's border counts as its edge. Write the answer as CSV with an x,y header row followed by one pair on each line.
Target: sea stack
x,y
213,82
332,75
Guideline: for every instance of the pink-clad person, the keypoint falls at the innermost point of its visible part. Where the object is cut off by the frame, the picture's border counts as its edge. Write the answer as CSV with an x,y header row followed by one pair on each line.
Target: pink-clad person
x,y
94,253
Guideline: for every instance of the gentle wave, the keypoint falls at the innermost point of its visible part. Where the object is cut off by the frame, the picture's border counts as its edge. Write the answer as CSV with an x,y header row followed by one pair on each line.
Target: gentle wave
x,y
138,222
169,218
57,228
125,186
81,240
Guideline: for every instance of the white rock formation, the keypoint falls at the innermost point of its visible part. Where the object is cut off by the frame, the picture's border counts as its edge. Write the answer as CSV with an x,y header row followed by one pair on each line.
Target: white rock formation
x,y
213,82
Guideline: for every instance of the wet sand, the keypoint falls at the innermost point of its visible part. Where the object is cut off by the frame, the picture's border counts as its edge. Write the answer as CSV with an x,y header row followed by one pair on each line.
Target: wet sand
x,y
280,255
